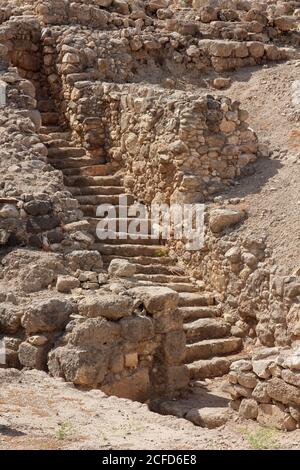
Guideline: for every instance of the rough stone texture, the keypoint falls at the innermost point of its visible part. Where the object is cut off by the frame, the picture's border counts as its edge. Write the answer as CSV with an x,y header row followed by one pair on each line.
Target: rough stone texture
x,y
208,417
274,399
119,77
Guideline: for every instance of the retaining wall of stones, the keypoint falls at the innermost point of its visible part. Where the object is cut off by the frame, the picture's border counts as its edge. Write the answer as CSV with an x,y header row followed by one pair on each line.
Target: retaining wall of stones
x,y
267,388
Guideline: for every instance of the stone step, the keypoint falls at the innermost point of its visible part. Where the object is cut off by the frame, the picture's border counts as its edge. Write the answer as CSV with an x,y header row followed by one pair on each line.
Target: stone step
x,y
46,130
206,328
85,181
118,222
50,118
96,190
194,313
177,286
66,152
91,170
181,286
90,211
127,251
208,368
162,278
45,106
79,162
56,136
97,199
145,261
50,144
196,300
151,269
126,240
212,347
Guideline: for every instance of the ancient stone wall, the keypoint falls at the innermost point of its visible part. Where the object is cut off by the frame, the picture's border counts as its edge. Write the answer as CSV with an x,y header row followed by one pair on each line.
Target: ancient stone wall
x,y
123,338
35,208
187,146
267,388
257,298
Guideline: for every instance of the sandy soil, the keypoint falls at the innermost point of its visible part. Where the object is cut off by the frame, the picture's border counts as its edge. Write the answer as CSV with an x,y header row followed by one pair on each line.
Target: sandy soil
x,y
272,193
39,412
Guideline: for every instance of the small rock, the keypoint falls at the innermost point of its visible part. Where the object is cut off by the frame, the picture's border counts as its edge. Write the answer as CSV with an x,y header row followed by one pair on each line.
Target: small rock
x,y
248,408
224,218
221,83
121,268
66,283
208,417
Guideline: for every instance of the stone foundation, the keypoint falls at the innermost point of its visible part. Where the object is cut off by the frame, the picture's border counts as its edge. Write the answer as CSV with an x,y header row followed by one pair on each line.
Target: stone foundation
x,y
267,387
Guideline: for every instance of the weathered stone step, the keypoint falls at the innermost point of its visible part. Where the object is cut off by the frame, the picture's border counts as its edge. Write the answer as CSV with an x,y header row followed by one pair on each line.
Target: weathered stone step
x,y
96,190
56,136
97,199
120,222
127,251
91,170
181,286
45,106
206,328
142,240
151,269
66,152
212,347
84,181
50,144
50,118
79,162
194,313
90,211
145,261
162,278
177,286
209,368
46,130
193,300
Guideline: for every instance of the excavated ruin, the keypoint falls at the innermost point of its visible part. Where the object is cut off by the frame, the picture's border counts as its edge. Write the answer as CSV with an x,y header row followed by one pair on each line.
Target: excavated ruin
x,y
102,99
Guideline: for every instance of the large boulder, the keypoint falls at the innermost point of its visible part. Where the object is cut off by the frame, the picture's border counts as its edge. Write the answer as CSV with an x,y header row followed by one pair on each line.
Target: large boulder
x,y
47,315
273,416
157,300
111,306
121,268
283,392
10,317
224,218
85,260
208,417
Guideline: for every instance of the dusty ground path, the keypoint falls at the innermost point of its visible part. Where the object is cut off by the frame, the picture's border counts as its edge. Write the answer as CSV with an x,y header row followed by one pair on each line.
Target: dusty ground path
x,y
272,192
38,412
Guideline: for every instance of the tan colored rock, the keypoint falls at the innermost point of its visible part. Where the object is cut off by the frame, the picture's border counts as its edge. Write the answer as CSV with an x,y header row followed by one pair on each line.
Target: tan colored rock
x,y
156,299
272,416
121,268
67,283
285,23
283,392
110,306
248,408
224,218
221,83
208,417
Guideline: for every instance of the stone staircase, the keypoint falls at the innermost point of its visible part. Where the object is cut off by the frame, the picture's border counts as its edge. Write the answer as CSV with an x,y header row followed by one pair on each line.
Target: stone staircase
x,y
92,181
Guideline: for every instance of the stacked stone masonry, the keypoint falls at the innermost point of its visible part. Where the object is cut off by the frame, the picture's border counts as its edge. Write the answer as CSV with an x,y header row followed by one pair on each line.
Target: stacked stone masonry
x,y
267,388
94,110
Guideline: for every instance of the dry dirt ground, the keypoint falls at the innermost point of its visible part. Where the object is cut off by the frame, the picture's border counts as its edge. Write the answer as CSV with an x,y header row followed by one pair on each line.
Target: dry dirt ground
x,y
271,187
39,412
272,192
